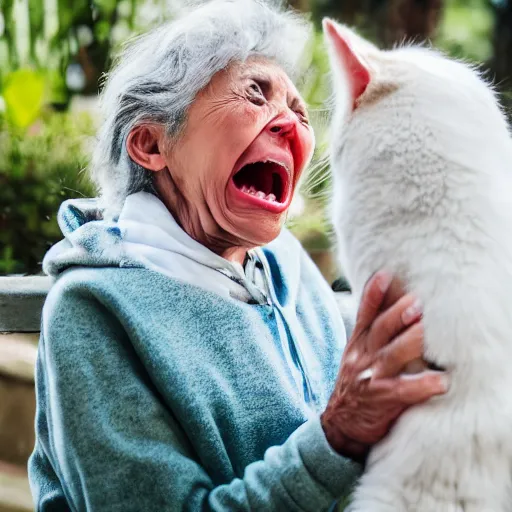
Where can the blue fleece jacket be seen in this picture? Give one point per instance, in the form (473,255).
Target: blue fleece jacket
(155,394)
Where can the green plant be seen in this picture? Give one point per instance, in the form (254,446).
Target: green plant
(466,30)
(69,42)
(39,169)
(315,89)
(312,228)
(23,93)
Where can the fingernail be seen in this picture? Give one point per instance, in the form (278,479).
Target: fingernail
(365,374)
(412,312)
(384,280)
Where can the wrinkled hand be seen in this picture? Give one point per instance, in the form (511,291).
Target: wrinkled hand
(370,393)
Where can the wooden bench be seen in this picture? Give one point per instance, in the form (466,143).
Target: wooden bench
(21,301)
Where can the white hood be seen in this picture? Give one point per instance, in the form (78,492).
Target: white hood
(151,236)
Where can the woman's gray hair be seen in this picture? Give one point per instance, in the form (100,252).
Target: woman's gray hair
(158,76)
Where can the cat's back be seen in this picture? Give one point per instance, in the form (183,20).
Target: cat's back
(422,187)
(435,208)
(423,176)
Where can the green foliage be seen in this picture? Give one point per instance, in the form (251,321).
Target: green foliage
(23,93)
(311,228)
(466,30)
(315,89)
(313,86)
(51,35)
(38,170)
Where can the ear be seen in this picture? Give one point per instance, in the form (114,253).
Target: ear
(143,146)
(346,59)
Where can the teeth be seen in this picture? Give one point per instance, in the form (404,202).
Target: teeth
(258,193)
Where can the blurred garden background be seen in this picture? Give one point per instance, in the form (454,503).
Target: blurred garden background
(53,54)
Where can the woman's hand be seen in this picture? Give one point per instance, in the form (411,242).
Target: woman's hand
(370,393)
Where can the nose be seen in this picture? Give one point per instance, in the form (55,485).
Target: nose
(283,125)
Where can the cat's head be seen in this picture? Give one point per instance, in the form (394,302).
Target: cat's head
(412,82)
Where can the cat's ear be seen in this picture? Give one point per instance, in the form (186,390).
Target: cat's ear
(347,53)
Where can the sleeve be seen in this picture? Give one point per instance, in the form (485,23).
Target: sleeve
(115,446)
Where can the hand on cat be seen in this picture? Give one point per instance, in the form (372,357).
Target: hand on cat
(388,336)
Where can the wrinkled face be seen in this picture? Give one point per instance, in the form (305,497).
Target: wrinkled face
(238,159)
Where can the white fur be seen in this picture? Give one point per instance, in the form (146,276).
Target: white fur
(422,186)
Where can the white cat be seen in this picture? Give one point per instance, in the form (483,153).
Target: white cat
(422,186)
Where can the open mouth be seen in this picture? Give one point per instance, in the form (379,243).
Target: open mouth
(267,181)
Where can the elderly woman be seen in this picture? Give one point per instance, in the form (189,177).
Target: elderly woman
(190,351)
